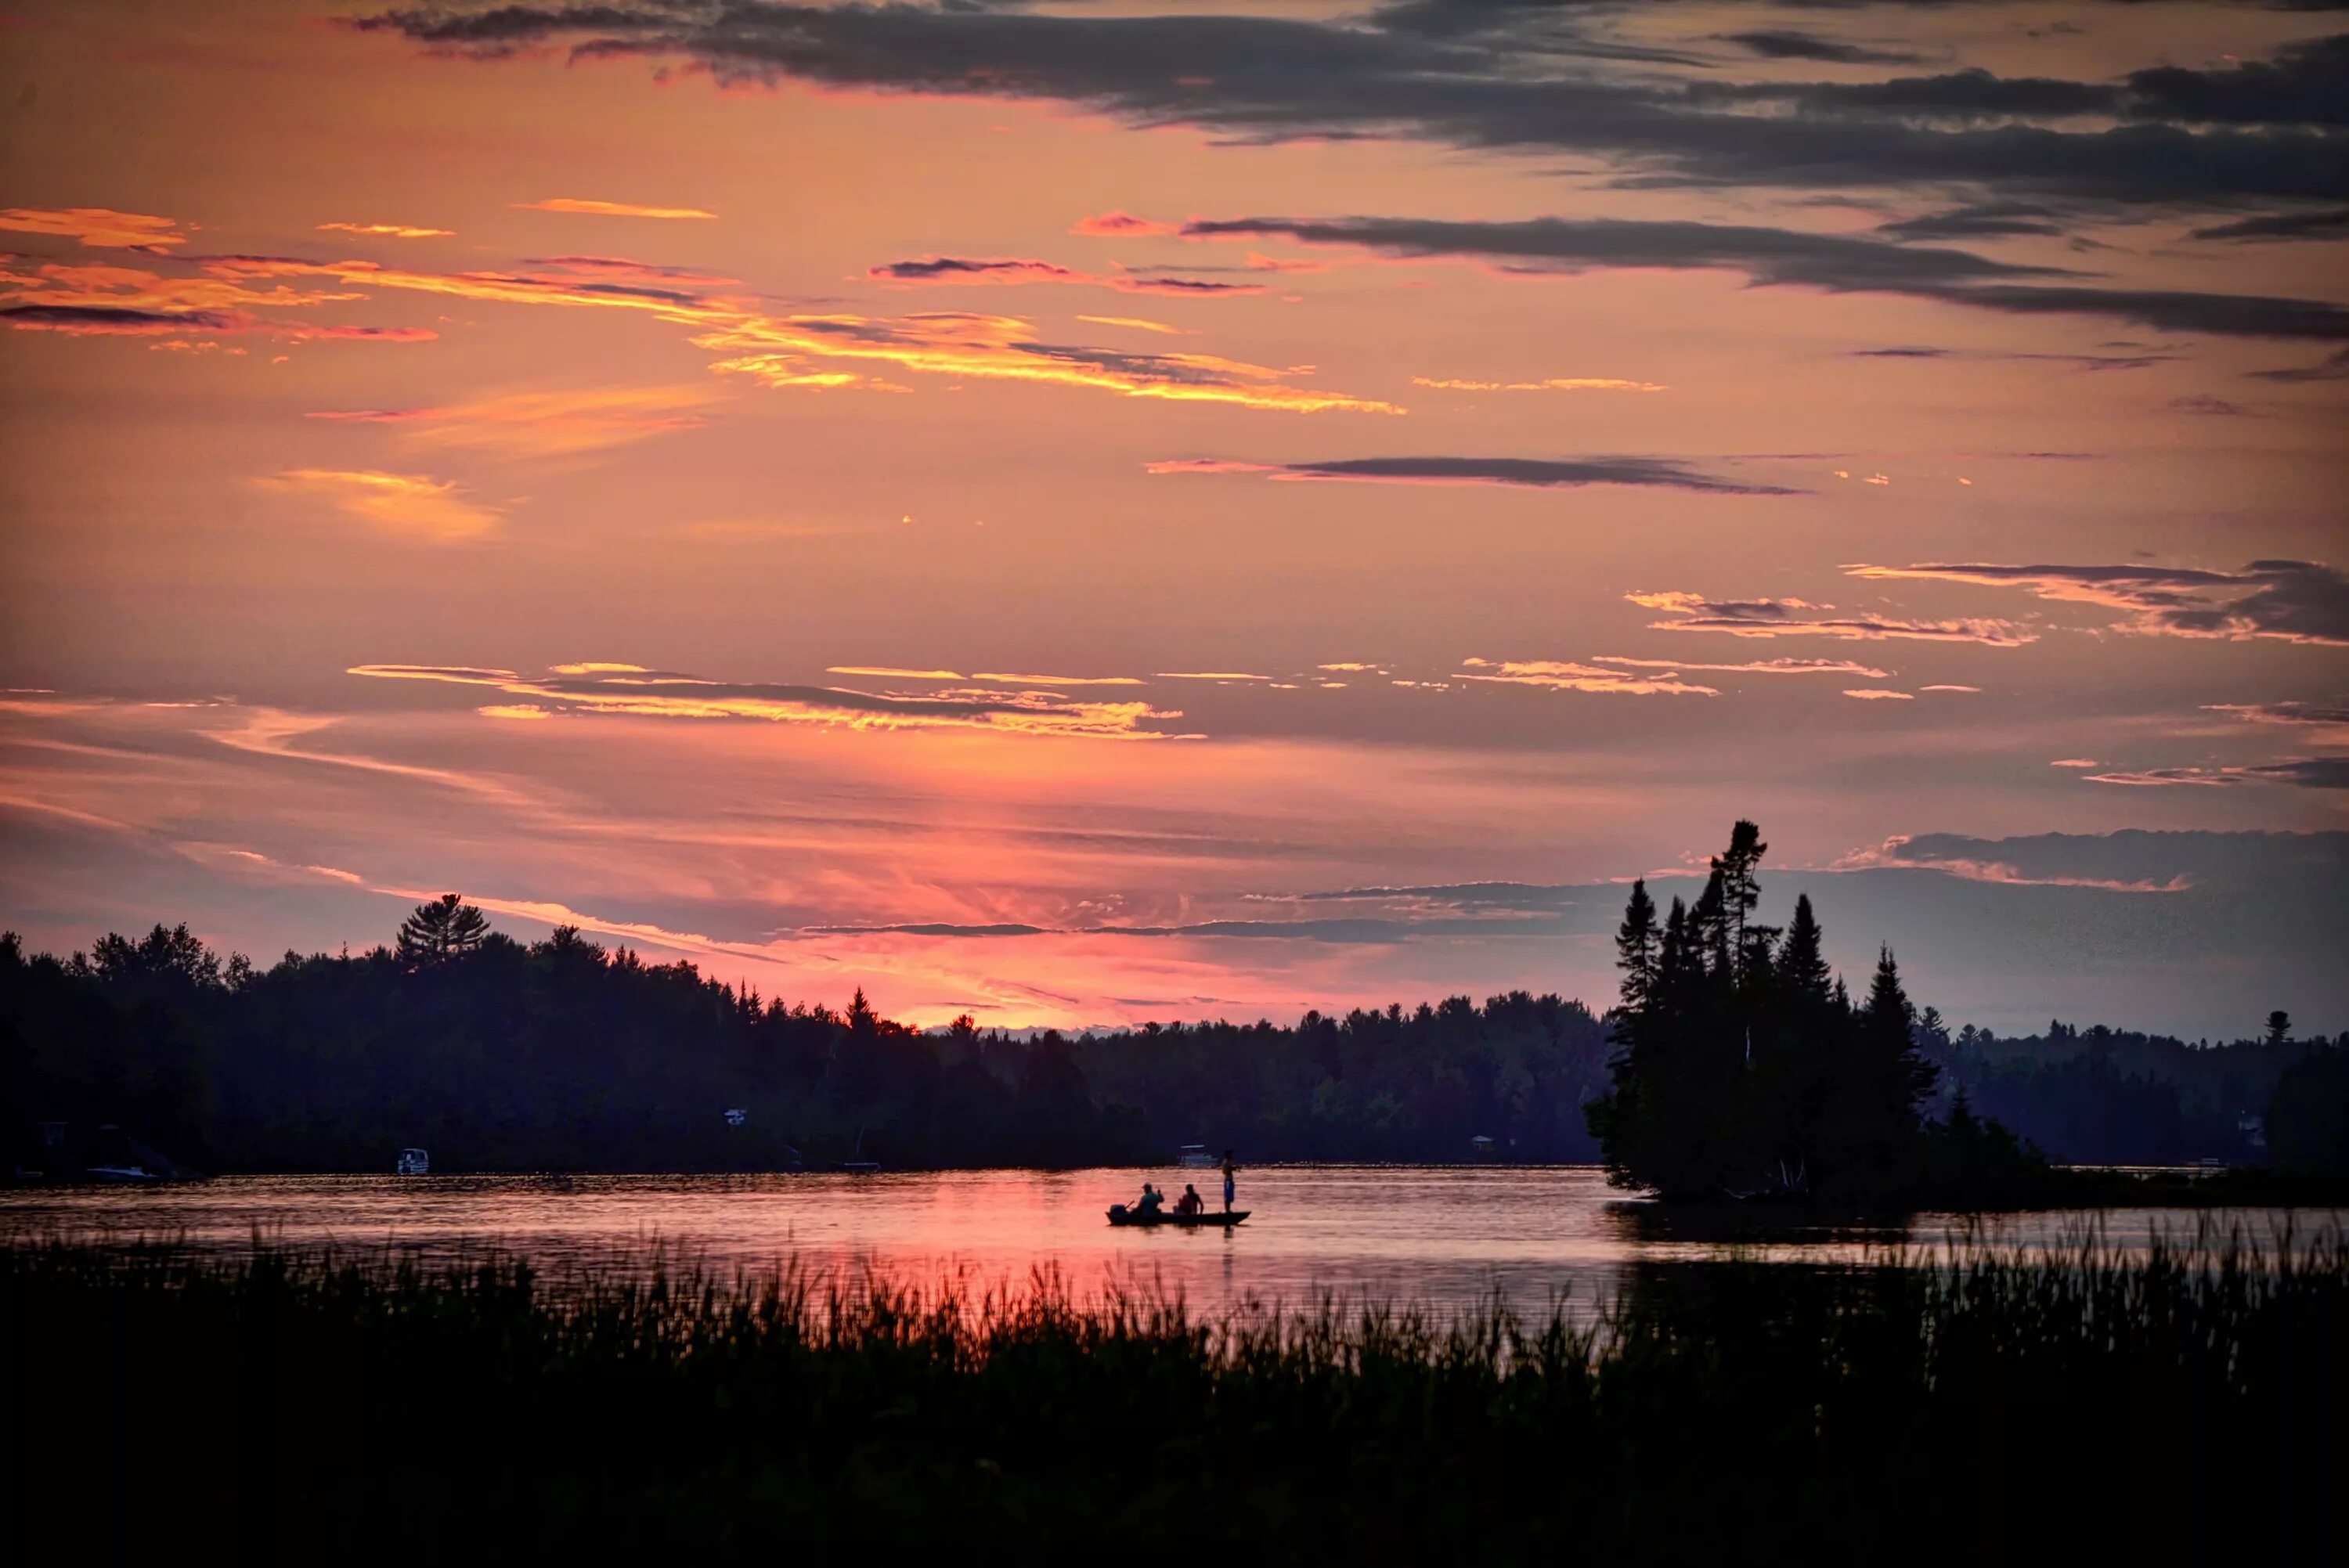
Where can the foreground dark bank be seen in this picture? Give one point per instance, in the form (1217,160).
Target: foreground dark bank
(2190,1401)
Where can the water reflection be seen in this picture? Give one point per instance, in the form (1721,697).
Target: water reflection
(1445,1237)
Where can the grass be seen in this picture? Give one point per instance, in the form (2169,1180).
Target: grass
(1977,1400)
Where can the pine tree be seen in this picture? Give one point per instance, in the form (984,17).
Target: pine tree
(444,929)
(1802,963)
(1740,870)
(1636,949)
(1709,927)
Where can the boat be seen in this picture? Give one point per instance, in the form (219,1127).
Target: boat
(1119,1214)
(1195,1156)
(413,1162)
(122,1175)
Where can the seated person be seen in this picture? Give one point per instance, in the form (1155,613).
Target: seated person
(1190,1202)
(1150,1200)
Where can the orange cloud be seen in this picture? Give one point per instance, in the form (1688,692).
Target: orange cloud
(886,672)
(402,504)
(2291,601)
(1554,383)
(105,300)
(1879,694)
(99,228)
(1138,323)
(387,231)
(788,351)
(544,424)
(661,694)
(607,209)
(1754,667)
(1122,226)
(1774,618)
(1554,675)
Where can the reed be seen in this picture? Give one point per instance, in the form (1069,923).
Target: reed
(1980,1396)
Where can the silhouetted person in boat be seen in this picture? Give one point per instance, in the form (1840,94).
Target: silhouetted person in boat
(1189,1204)
(1151,1198)
(1230,1171)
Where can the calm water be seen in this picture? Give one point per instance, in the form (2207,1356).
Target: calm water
(1446,1237)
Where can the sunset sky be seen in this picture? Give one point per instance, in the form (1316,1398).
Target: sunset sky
(1094,511)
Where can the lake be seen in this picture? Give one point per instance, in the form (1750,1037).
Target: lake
(1446,1237)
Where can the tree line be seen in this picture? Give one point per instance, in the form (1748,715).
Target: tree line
(1734,1063)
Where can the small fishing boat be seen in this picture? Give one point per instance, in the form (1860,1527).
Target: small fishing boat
(122,1175)
(1119,1214)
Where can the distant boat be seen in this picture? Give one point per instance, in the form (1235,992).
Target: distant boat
(856,1164)
(1194,1157)
(413,1162)
(1119,1214)
(124,1175)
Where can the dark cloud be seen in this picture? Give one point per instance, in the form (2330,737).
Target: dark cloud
(2332,367)
(2204,403)
(2307,772)
(1502,75)
(1540,473)
(2237,862)
(1786,44)
(950,269)
(102,319)
(2293,601)
(1796,618)
(2305,84)
(2328,716)
(1836,263)
(1984,221)
(2331,222)
(1964,96)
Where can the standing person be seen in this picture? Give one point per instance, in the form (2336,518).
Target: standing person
(1230,1171)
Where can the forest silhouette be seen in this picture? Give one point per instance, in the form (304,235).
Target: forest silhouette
(1734,1065)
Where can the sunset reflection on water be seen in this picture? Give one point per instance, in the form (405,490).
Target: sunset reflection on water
(1445,1237)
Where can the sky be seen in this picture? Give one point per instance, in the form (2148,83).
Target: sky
(1100,512)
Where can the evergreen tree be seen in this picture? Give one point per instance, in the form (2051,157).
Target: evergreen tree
(1637,948)
(444,929)
(1802,964)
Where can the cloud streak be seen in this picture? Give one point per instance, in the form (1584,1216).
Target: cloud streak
(1759,618)
(1014,271)
(97,228)
(584,207)
(624,691)
(2289,601)
(1533,473)
(1551,675)
(1770,257)
(405,504)
(543,424)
